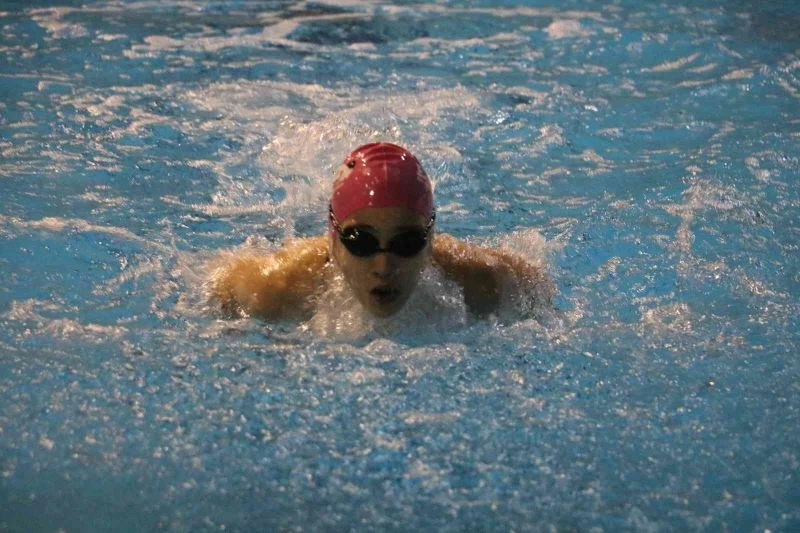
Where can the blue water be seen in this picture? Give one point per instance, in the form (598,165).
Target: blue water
(646,152)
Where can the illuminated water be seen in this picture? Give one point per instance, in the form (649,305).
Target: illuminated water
(654,146)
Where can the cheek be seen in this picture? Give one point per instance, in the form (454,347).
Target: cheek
(412,269)
(418,263)
(350,267)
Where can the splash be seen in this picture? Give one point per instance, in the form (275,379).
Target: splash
(436,305)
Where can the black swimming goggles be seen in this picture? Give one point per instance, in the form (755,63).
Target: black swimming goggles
(364,244)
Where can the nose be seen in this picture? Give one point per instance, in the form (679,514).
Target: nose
(384,265)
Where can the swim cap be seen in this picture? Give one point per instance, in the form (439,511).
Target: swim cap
(381,175)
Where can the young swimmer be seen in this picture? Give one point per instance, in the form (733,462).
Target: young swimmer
(380,238)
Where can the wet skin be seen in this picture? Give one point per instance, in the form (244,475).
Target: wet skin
(288,282)
(382,282)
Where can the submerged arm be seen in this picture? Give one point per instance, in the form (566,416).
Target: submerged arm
(278,285)
(488,275)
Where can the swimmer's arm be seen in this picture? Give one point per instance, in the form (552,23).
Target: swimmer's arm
(274,286)
(485,273)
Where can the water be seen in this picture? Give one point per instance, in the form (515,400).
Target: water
(646,151)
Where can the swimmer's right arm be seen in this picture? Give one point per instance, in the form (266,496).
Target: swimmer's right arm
(274,286)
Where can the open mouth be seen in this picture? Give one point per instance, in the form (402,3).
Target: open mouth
(384,294)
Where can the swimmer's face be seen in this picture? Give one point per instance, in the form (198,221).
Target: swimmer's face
(382,282)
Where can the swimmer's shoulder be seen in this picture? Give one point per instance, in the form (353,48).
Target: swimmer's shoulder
(308,251)
(470,267)
(281,284)
(486,274)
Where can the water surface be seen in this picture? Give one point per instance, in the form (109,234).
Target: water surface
(646,151)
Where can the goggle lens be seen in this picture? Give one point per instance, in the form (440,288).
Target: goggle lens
(364,244)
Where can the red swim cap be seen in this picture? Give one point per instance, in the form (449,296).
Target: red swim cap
(381,175)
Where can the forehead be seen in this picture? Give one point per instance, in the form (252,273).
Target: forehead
(385,218)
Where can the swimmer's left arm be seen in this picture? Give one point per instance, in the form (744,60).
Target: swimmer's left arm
(485,274)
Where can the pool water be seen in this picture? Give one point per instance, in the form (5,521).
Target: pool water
(645,152)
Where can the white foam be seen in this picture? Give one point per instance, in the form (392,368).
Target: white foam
(703,68)
(676,64)
(50,19)
(563,29)
(311,148)
(94,196)
(701,195)
(275,32)
(27,309)
(675,317)
(500,12)
(549,135)
(423,417)
(108,106)
(110,36)
(67,328)
(493,42)
(62,328)
(601,165)
(108,109)
(761,174)
(129,273)
(364,375)
(58,224)
(791,90)
(436,305)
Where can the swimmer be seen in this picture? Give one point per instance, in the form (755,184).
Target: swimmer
(381,236)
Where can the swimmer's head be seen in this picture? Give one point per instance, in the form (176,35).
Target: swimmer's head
(381,175)
(381,220)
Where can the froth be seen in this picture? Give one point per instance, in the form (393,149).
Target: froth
(436,305)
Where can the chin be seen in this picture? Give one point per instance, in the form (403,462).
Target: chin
(386,310)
